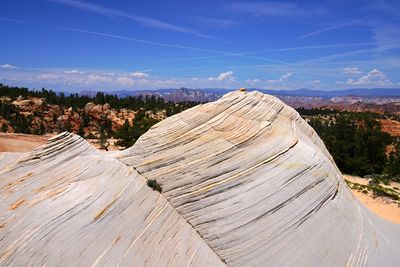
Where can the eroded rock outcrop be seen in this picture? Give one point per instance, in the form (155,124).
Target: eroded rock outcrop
(246,182)
(260,187)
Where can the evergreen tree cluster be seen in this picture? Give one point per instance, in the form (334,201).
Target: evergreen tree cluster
(79,101)
(356,142)
(129,133)
(20,123)
(393,163)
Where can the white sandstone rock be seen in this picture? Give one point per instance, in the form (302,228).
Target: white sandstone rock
(245,182)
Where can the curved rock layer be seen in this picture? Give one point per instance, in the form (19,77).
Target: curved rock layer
(66,204)
(246,182)
(260,187)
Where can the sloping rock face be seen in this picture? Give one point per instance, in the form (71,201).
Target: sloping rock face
(246,182)
(67,204)
(260,187)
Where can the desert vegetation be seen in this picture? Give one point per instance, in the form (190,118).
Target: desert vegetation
(100,117)
(377,187)
(356,142)
(153,184)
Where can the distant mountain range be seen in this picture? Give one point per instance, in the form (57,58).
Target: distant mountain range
(173,95)
(211,94)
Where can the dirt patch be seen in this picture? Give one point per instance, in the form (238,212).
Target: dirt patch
(381,206)
(391,127)
(12,142)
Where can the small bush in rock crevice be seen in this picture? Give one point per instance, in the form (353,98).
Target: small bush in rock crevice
(154,185)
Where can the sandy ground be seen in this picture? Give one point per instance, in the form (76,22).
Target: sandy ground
(381,206)
(11,142)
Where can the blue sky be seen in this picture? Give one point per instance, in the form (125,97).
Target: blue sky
(118,44)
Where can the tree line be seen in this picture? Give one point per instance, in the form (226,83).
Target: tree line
(356,142)
(128,134)
(79,101)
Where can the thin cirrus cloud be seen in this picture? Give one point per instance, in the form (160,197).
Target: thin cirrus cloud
(126,38)
(312,47)
(354,22)
(170,45)
(285,49)
(272,8)
(8,66)
(283,78)
(330,28)
(352,71)
(252,81)
(144,21)
(217,23)
(11,20)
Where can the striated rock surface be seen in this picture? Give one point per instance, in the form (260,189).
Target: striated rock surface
(246,182)
(68,204)
(260,187)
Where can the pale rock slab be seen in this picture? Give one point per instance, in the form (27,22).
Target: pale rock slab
(260,187)
(67,204)
(246,182)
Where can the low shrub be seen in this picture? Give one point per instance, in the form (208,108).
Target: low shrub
(154,185)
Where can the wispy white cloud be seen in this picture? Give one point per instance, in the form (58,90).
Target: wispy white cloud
(385,33)
(271,8)
(74,72)
(8,66)
(224,76)
(139,74)
(283,78)
(352,71)
(375,78)
(315,47)
(104,80)
(125,81)
(144,21)
(253,81)
(350,54)
(48,77)
(216,23)
(97,78)
(330,28)
(120,37)
(285,49)
(12,20)
(137,40)
(314,82)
